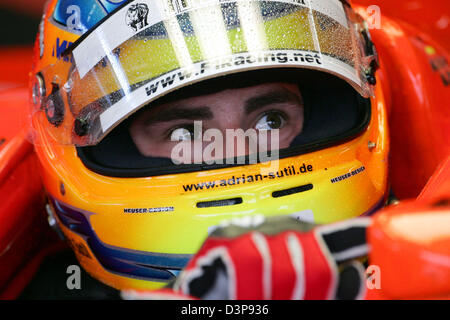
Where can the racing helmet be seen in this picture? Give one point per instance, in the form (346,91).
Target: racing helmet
(135,219)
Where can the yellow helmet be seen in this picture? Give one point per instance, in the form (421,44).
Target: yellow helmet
(134,220)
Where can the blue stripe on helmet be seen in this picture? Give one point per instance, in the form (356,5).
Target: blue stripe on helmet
(87,12)
(125,262)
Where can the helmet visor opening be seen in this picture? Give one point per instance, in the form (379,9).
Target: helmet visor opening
(331,113)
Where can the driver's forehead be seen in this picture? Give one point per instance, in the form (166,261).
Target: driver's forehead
(236,99)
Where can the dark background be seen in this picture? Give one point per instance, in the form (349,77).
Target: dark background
(17,28)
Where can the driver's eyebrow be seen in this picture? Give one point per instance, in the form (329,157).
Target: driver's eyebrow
(271,97)
(180,113)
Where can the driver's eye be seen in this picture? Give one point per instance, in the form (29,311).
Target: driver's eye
(181,134)
(270,121)
(185,133)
